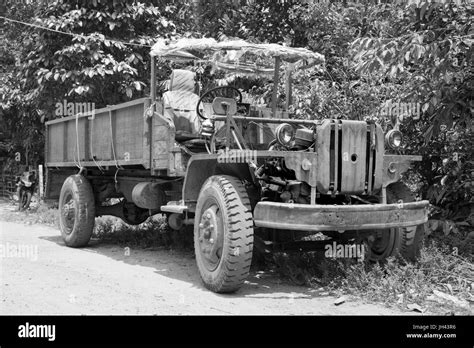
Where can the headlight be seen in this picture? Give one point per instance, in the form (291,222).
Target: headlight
(285,134)
(394,139)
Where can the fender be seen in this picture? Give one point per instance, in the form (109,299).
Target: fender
(202,166)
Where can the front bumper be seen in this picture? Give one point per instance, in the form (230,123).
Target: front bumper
(305,217)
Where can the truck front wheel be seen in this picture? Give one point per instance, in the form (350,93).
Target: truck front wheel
(399,241)
(76,211)
(223,234)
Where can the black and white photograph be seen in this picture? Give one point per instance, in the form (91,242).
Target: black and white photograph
(235,163)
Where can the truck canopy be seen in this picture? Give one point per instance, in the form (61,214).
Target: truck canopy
(238,56)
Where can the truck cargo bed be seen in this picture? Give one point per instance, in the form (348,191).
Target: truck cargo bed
(114,135)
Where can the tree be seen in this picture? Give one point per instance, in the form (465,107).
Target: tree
(103,58)
(427,49)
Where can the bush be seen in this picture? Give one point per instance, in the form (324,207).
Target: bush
(153,233)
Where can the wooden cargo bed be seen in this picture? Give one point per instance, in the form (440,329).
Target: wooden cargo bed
(114,135)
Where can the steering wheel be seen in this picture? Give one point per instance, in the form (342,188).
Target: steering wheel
(225,91)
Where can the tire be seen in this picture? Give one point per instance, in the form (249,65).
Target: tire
(76,211)
(399,241)
(223,253)
(24,199)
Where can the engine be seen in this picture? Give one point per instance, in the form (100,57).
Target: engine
(347,160)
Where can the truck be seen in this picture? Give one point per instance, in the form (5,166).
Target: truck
(245,179)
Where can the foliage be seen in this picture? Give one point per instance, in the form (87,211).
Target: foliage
(153,233)
(427,48)
(262,21)
(106,64)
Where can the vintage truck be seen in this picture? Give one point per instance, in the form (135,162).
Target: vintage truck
(243,175)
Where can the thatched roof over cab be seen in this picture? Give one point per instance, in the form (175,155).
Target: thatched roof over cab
(184,49)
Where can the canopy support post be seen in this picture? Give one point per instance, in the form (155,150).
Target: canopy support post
(288,86)
(153,80)
(276,77)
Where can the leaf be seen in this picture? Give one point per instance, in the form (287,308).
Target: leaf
(79,90)
(407,56)
(443,180)
(340,300)
(446,228)
(423,10)
(415,307)
(137,85)
(433,225)
(393,71)
(446,297)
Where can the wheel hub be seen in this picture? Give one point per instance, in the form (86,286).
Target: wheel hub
(69,212)
(210,237)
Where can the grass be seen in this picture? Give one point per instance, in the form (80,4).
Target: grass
(38,213)
(152,233)
(394,283)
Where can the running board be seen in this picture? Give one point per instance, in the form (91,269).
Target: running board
(174,207)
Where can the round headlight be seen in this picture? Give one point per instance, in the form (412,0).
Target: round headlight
(285,134)
(394,139)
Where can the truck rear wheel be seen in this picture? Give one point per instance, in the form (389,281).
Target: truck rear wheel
(399,241)
(223,234)
(76,211)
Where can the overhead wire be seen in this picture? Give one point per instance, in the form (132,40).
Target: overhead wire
(69,33)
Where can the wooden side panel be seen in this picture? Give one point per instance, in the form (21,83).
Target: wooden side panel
(71,140)
(55,143)
(163,136)
(101,136)
(129,132)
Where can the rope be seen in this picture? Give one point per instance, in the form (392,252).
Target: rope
(90,142)
(81,169)
(70,34)
(112,141)
(113,152)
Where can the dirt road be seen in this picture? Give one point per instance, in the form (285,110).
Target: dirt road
(50,278)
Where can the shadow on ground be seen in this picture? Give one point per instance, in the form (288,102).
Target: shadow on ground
(180,265)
